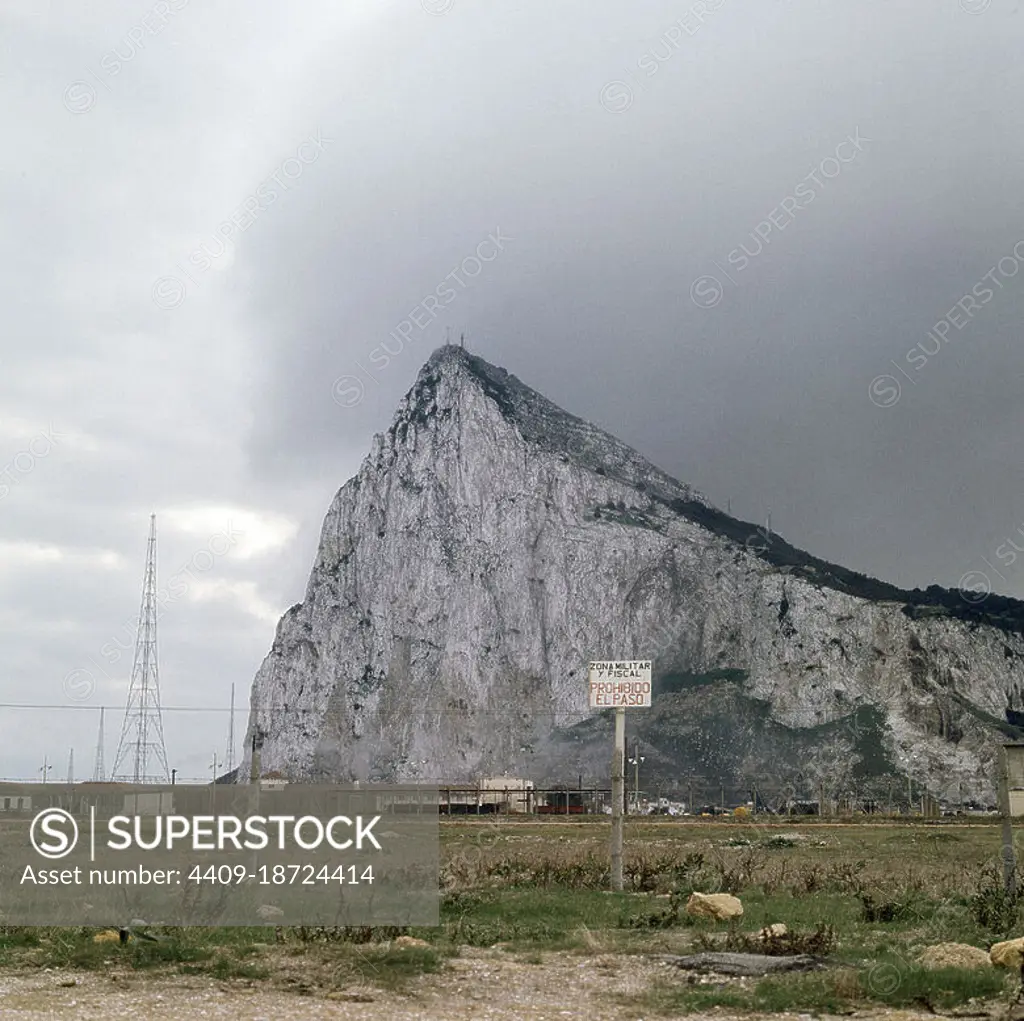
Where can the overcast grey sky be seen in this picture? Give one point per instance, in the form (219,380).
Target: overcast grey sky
(723,227)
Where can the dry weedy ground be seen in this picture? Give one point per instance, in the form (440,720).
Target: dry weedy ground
(566,947)
(480,985)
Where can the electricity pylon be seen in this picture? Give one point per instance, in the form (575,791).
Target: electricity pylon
(141,753)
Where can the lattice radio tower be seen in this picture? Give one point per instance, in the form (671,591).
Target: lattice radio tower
(141,753)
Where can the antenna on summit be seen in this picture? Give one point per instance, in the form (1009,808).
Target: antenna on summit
(462,342)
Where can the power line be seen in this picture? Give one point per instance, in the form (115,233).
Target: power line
(30,779)
(422,711)
(285,709)
(164,709)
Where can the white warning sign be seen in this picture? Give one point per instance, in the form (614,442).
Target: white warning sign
(615,683)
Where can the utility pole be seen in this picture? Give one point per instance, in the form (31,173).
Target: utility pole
(45,768)
(254,786)
(618,792)
(254,761)
(71,767)
(213,786)
(229,761)
(1009,860)
(98,771)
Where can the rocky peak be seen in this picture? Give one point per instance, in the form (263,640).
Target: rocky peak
(451,374)
(492,543)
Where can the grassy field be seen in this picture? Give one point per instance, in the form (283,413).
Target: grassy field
(870,896)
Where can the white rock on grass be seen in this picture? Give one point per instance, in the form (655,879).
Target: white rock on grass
(720,906)
(1007,954)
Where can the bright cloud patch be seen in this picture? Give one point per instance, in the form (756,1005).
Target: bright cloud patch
(241,594)
(255,532)
(39,437)
(27,554)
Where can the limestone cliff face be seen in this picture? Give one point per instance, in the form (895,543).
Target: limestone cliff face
(491,544)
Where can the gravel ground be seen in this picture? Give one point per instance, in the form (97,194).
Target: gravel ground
(481,985)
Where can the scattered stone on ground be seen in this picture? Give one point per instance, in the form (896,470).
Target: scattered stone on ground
(954,955)
(720,906)
(268,911)
(773,931)
(410,941)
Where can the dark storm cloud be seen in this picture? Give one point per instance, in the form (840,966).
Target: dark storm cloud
(185,286)
(851,170)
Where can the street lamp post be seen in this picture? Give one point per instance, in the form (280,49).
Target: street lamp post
(907,761)
(213,786)
(635,763)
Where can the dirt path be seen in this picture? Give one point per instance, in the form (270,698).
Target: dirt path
(482,985)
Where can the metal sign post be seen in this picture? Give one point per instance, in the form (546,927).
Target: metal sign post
(618,780)
(617,684)
(1009,761)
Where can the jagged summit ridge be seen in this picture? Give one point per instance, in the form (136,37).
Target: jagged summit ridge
(539,421)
